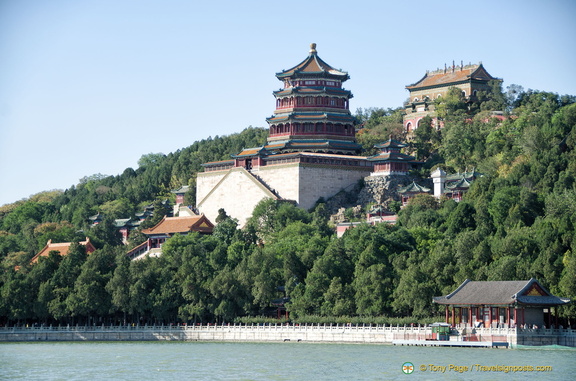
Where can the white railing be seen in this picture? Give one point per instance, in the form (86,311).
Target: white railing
(409,330)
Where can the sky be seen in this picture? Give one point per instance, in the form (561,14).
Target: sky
(89,86)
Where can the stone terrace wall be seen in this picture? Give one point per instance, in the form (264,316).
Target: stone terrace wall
(284,333)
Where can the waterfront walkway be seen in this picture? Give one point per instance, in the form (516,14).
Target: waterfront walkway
(337,333)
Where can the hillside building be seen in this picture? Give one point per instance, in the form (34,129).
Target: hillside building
(470,79)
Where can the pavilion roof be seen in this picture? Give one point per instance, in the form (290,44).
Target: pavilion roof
(122,222)
(414,188)
(182,189)
(452,75)
(459,184)
(393,156)
(468,175)
(529,292)
(390,143)
(62,248)
(250,152)
(313,65)
(186,224)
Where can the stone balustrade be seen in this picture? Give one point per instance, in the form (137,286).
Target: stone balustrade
(335,333)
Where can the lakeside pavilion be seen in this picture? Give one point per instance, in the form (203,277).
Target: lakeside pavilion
(501,304)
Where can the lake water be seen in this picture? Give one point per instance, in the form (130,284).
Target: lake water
(278,361)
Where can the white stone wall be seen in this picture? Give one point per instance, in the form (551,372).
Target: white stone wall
(319,181)
(238,192)
(205,182)
(235,191)
(283,178)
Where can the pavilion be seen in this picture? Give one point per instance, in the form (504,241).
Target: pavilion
(501,304)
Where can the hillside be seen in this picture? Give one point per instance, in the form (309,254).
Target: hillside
(517,222)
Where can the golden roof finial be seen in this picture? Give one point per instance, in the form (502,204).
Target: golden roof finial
(312,48)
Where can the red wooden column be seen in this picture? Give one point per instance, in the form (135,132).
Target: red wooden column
(508,316)
(453,317)
(470,322)
(447,316)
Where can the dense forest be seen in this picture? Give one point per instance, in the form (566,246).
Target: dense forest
(516,222)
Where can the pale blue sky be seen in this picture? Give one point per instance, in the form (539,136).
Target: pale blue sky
(89,86)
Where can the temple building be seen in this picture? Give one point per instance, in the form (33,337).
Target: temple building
(311,151)
(501,304)
(470,79)
(168,227)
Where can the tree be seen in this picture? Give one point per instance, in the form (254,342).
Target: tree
(119,285)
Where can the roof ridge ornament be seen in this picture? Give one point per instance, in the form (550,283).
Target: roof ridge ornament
(313,48)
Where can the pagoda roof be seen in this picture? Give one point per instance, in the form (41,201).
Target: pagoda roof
(186,224)
(452,75)
(414,188)
(315,154)
(324,144)
(313,66)
(529,292)
(312,90)
(345,118)
(62,248)
(391,143)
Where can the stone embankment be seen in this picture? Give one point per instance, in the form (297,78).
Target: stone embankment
(284,333)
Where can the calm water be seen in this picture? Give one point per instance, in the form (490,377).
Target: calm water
(279,361)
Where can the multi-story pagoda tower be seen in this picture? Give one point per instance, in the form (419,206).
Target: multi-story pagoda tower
(310,153)
(312,110)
